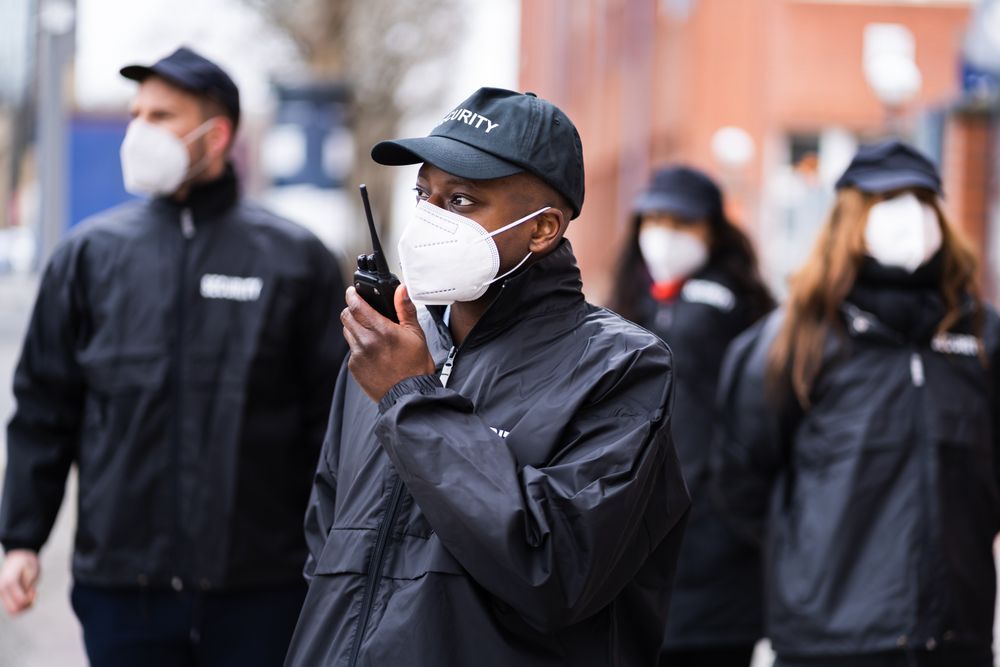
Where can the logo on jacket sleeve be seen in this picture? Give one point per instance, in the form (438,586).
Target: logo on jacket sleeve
(232,288)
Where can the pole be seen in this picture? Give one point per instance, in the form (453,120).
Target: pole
(55,52)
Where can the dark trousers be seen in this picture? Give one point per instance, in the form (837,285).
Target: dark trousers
(946,657)
(736,656)
(157,628)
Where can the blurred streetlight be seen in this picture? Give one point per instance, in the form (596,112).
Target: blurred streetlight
(890,68)
(57,17)
(733,147)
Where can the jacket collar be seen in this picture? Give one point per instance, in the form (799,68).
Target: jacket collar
(550,285)
(206,200)
(895,305)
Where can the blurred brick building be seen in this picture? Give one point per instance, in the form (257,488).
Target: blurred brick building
(650,81)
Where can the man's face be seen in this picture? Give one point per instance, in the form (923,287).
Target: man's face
(171,108)
(492,203)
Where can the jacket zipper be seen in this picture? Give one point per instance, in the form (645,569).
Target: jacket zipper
(377,559)
(187,233)
(918,377)
(448,364)
(917,369)
(375,564)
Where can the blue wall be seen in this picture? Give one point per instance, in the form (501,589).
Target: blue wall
(95,178)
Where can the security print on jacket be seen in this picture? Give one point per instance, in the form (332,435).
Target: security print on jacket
(498,484)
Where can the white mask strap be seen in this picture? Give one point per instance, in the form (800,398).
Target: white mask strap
(511,226)
(194,135)
(198,132)
(519,264)
(518,221)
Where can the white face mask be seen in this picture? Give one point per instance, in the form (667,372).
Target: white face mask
(902,232)
(447,257)
(670,254)
(155,161)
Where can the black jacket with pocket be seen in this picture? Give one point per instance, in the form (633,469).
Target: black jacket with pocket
(529,513)
(183,358)
(717,596)
(879,504)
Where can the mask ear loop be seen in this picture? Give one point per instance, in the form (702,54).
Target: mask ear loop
(517,222)
(519,264)
(198,132)
(194,135)
(511,226)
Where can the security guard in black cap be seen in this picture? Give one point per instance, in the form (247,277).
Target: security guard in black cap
(181,355)
(498,485)
(861,435)
(689,275)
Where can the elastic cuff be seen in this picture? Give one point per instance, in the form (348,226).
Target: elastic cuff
(418,384)
(15,545)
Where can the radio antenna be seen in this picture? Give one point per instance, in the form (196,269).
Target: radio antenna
(381,266)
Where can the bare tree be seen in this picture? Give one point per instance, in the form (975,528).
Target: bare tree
(385,51)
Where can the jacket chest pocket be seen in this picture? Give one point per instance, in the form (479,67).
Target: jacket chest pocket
(349,551)
(959,414)
(826,439)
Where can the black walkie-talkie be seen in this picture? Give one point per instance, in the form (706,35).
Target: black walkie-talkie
(372,280)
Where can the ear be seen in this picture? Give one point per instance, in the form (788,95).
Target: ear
(219,136)
(547,231)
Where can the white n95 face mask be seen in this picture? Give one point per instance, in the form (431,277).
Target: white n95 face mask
(671,254)
(902,232)
(447,257)
(155,161)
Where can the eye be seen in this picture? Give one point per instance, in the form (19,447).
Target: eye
(460,200)
(420,193)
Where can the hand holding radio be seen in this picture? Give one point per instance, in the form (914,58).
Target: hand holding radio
(381,326)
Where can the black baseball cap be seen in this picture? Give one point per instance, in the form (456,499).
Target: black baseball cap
(194,73)
(496,133)
(681,191)
(890,165)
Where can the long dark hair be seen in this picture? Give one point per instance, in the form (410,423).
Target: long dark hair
(731,252)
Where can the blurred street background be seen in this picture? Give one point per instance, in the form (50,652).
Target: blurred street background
(770,96)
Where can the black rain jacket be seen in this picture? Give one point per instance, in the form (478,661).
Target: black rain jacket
(879,504)
(717,596)
(527,514)
(183,358)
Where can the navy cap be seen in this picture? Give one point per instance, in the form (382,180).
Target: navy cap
(496,133)
(890,165)
(680,191)
(194,73)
